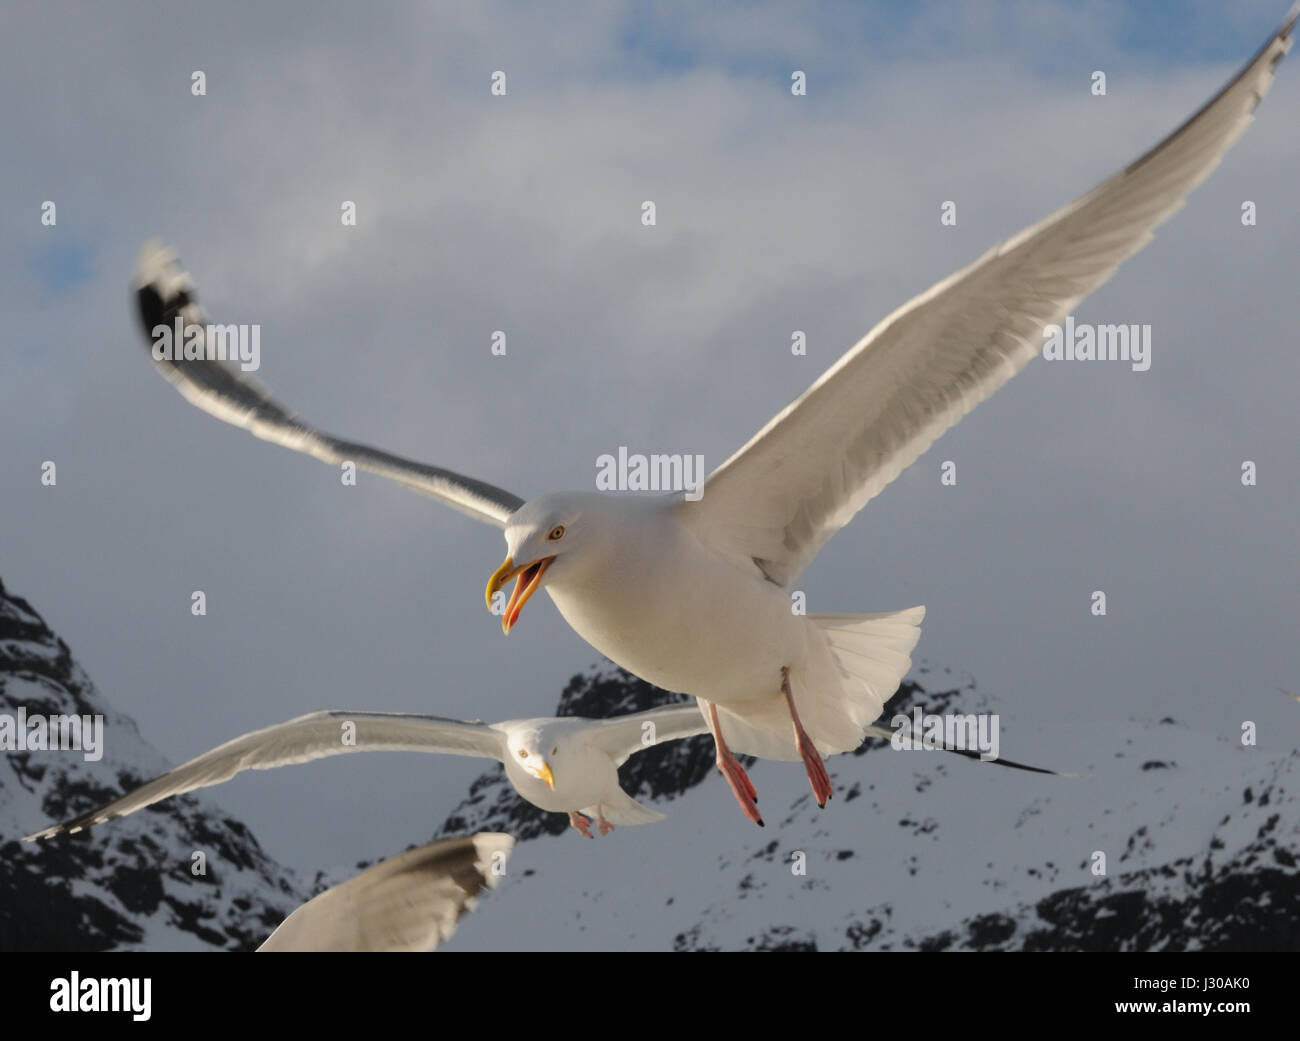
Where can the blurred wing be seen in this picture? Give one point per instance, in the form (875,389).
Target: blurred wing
(300,740)
(623,736)
(774,503)
(165,291)
(410,902)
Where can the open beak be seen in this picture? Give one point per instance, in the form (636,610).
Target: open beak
(529,578)
(544,772)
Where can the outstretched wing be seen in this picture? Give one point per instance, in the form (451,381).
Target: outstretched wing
(164,291)
(773,504)
(300,740)
(622,736)
(410,902)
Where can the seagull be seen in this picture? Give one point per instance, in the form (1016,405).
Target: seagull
(410,902)
(560,764)
(694,595)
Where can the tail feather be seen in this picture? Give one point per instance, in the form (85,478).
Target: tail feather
(625,811)
(873,654)
(855,664)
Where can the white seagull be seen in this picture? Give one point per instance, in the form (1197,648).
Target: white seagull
(564,764)
(694,596)
(560,764)
(410,902)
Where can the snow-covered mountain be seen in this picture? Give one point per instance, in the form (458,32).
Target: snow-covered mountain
(132,884)
(918,849)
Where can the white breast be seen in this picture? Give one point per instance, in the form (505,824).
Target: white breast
(667,609)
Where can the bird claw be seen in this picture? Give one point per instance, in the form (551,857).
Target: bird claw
(583,824)
(603,825)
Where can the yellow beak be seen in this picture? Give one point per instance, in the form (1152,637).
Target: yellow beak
(530,577)
(544,772)
(499,578)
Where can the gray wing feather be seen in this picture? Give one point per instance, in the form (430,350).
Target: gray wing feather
(410,902)
(164,291)
(300,740)
(623,736)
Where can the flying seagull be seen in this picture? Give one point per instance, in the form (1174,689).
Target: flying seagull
(694,596)
(561,764)
(410,902)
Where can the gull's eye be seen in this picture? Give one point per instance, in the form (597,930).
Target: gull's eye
(556,533)
(523,753)
(555,749)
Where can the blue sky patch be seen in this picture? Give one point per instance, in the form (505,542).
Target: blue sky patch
(63,264)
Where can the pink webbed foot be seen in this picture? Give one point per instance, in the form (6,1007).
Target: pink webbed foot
(741,786)
(582,823)
(602,825)
(818,778)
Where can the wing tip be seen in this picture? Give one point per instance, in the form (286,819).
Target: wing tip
(163,288)
(487,846)
(154,259)
(53,831)
(74,825)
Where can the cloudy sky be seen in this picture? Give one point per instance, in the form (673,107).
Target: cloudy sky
(522,213)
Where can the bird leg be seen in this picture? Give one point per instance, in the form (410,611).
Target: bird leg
(603,825)
(741,786)
(812,760)
(582,823)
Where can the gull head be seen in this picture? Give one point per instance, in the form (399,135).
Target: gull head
(536,751)
(544,537)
